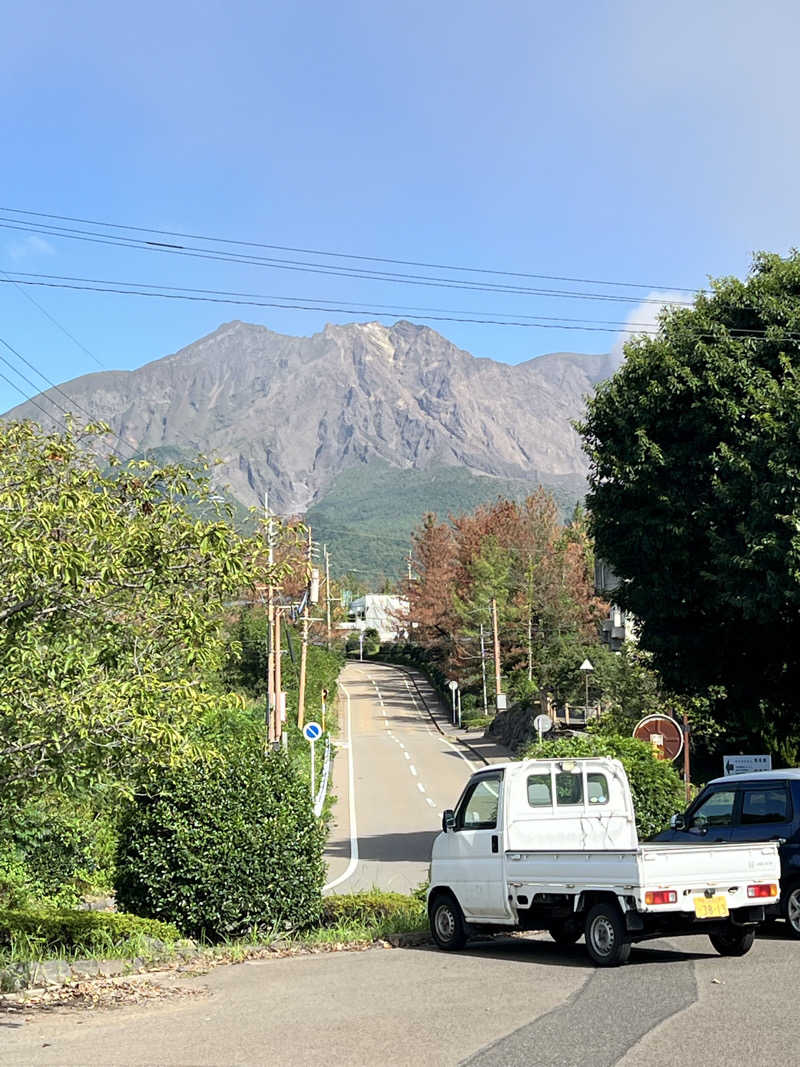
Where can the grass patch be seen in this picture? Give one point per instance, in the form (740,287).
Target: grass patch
(38,935)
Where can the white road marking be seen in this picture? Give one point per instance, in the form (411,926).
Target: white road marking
(421,787)
(413,770)
(406,755)
(429,801)
(352,806)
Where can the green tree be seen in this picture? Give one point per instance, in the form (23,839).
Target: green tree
(695,498)
(111,610)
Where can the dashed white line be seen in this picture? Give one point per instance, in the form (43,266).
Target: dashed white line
(413,770)
(429,801)
(421,787)
(406,755)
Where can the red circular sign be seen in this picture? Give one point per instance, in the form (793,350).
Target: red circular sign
(663,733)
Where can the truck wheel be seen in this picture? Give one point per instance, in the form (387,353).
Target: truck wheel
(447,923)
(565,931)
(734,942)
(607,940)
(791,909)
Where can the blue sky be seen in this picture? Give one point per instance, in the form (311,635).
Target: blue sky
(611,140)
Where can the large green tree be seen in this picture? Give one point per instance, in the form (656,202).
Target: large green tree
(111,609)
(695,498)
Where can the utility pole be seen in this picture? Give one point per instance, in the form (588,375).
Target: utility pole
(530,647)
(271,691)
(498,690)
(327,596)
(301,696)
(278,725)
(483,673)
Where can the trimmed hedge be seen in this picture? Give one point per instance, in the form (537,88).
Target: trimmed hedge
(225,849)
(80,931)
(371,907)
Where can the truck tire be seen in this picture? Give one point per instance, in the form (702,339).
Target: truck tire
(565,931)
(791,909)
(447,923)
(607,941)
(733,942)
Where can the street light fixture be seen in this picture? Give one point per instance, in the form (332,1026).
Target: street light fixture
(587,669)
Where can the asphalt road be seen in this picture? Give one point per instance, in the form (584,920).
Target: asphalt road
(394,774)
(508,1001)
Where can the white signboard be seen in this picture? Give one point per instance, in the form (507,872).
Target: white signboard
(746,764)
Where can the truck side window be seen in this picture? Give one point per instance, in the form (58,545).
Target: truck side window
(569,788)
(539,791)
(597,788)
(765,805)
(479,810)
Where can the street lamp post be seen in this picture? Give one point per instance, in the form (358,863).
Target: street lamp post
(587,669)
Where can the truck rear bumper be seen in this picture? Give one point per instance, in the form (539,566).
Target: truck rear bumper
(644,925)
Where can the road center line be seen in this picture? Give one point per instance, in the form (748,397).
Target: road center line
(413,770)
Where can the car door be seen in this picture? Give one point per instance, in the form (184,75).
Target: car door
(765,811)
(477,848)
(711,817)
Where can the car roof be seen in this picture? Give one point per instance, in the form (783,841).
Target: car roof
(760,776)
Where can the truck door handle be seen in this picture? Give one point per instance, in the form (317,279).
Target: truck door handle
(495,843)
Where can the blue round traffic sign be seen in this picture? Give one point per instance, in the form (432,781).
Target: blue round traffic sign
(312,731)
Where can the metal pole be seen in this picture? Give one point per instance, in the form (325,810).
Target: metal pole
(313,772)
(361,645)
(271,693)
(498,690)
(686,772)
(586,678)
(278,727)
(301,694)
(453,698)
(483,673)
(530,647)
(327,597)
(459,707)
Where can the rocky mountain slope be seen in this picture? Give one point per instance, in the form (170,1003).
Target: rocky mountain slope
(290,414)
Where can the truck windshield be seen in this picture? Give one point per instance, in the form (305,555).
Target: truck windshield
(479,810)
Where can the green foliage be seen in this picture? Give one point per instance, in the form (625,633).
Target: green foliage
(695,499)
(220,850)
(53,851)
(372,641)
(369,907)
(111,610)
(63,932)
(657,790)
(367,516)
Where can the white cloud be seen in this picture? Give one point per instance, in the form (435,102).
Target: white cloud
(643,318)
(30,246)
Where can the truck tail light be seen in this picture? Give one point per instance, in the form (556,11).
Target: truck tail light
(767,889)
(661,896)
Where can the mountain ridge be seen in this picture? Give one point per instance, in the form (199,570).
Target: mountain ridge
(289,414)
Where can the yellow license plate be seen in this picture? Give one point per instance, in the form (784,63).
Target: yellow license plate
(715,907)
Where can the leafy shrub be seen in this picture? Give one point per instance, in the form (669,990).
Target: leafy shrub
(53,851)
(372,641)
(476,722)
(223,849)
(78,931)
(370,907)
(657,790)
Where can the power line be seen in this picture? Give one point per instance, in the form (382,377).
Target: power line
(304,267)
(350,255)
(20,277)
(55,322)
(286,304)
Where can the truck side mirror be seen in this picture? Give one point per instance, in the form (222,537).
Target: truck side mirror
(448,820)
(677,822)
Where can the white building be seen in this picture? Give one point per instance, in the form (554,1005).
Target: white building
(386,614)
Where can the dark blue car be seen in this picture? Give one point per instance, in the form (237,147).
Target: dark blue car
(764,806)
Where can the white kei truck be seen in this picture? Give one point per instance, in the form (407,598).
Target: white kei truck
(552,845)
